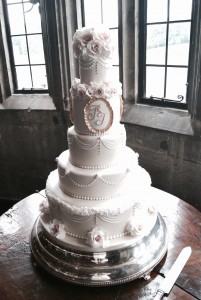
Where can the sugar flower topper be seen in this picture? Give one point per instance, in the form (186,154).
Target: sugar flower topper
(96,238)
(92,42)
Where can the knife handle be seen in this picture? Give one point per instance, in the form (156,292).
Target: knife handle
(159,295)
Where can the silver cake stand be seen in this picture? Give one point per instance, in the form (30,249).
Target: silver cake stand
(101,268)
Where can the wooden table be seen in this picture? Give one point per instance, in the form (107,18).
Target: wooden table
(20,278)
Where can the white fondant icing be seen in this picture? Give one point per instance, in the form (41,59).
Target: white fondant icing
(99,195)
(100,184)
(96,152)
(93,47)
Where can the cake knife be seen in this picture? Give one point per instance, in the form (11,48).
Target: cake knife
(167,284)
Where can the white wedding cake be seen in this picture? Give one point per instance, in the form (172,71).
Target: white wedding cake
(98,197)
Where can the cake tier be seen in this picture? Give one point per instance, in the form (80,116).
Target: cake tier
(96,152)
(97,224)
(94,70)
(101,184)
(95,108)
(93,47)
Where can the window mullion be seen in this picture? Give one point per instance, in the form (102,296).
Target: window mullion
(194,74)
(28,53)
(166,48)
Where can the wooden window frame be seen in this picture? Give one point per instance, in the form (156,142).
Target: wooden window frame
(130,64)
(60,19)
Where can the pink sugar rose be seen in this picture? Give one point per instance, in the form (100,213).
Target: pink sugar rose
(95,48)
(73,90)
(96,238)
(99,93)
(77,48)
(44,207)
(81,91)
(57,228)
(103,34)
(134,228)
(86,37)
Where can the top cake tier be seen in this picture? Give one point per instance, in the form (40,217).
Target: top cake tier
(93,47)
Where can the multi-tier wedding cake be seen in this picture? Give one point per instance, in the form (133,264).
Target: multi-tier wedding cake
(98,197)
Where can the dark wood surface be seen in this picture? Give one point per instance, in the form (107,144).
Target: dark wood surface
(20,278)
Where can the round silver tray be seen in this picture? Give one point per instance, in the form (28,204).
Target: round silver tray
(100,268)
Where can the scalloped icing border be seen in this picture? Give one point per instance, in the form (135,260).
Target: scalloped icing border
(88,211)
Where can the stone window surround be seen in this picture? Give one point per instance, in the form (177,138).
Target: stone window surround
(65,16)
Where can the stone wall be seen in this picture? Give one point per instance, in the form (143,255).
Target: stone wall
(29,143)
(173,160)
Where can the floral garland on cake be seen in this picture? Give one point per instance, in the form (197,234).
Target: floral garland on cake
(95,89)
(94,43)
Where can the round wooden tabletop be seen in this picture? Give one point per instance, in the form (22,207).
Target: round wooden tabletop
(21,278)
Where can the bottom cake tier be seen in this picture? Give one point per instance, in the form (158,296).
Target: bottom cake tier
(100,268)
(90,225)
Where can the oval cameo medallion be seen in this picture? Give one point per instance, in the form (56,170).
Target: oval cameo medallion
(98,115)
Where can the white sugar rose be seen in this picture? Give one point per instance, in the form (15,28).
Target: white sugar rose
(152,210)
(44,207)
(57,229)
(104,35)
(74,87)
(80,40)
(134,228)
(77,48)
(90,91)
(95,48)
(85,35)
(81,91)
(92,88)
(73,90)
(96,238)
(99,90)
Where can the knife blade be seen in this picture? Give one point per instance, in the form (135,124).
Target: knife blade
(167,284)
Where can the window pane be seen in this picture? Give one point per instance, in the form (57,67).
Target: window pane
(156,10)
(15,14)
(39,77)
(13,1)
(155,81)
(115,56)
(156,41)
(32,18)
(179,39)
(23,77)
(110,13)
(176,83)
(180,9)
(20,50)
(92,10)
(36,49)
